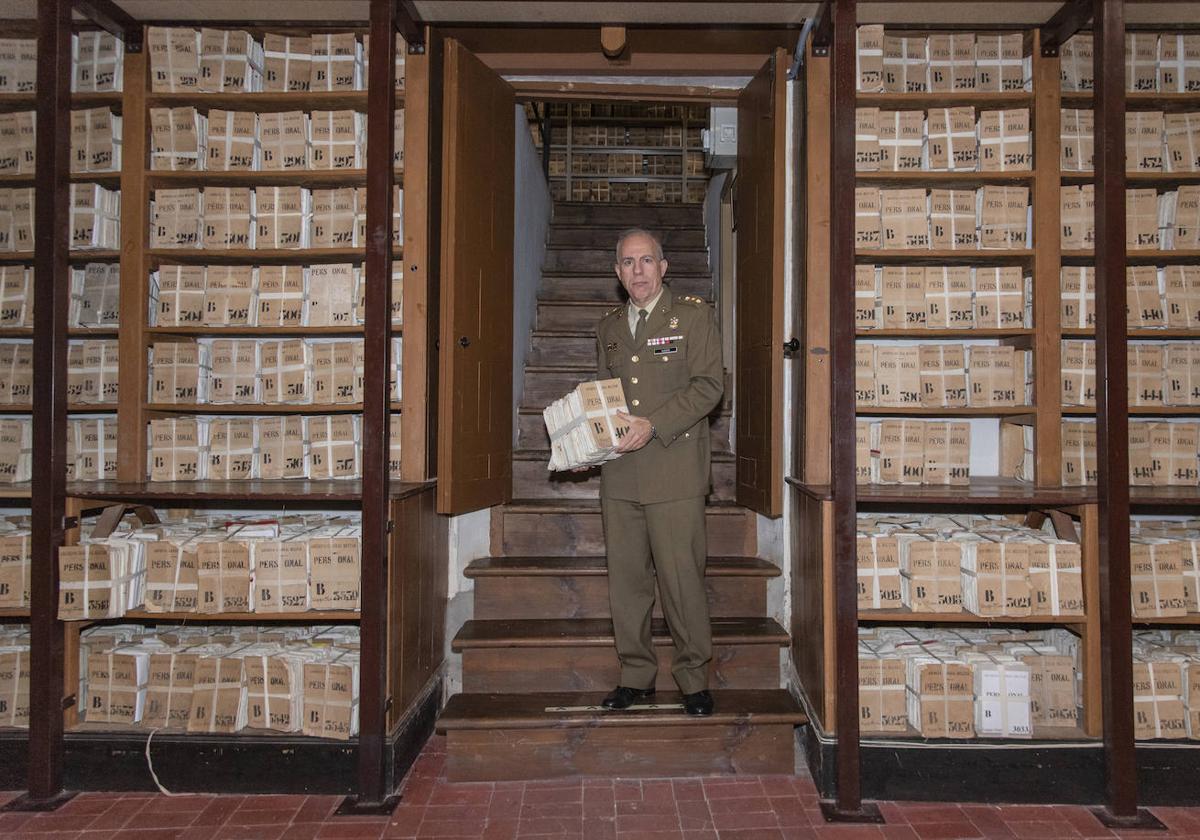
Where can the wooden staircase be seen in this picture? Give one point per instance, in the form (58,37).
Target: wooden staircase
(539,654)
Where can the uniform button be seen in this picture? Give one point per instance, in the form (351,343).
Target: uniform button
(666,358)
(636,403)
(687,434)
(634,359)
(634,380)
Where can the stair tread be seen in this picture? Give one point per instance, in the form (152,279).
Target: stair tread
(551,333)
(561,710)
(593,506)
(533,409)
(535,454)
(598,632)
(597,567)
(563,367)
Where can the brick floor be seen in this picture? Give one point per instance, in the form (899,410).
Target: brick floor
(754,808)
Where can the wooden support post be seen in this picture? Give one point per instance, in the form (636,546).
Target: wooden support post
(848,805)
(374,773)
(1112,418)
(52,291)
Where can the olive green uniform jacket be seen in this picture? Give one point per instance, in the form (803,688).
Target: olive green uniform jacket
(675,379)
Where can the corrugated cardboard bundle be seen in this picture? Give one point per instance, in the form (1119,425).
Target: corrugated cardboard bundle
(14,569)
(169,690)
(902,297)
(1156,578)
(231,61)
(334,562)
(93,372)
(218,695)
(224,576)
(1077,69)
(231,447)
(337,62)
(929,573)
(1078,295)
(18,65)
(1016,451)
(881,694)
(905,64)
(230,293)
(117,683)
(994,378)
(338,139)
(96,62)
(901,446)
(16,373)
(1141,61)
(178,372)
(1000,297)
(1180,217)
(285,140)
(904,218)
(95,296)
(1055,576)
(281,294)
(229,218)
(175,452)
(878,572)
(285,371)
(91,448)
(172,577)
(949,297)
(901,140)
(1078,372)
(15,672)
(869,58)
(287,62)
(282,447)
(233,143)
(1078,453)
(867,152)
(16,219)
(994,576)
(1005,143)
(178,138)
(943,376)
(333,218)
(1004,217)
(940,696)
(1003,702)
(1001,63)
(16,447)
(284,217)
(947,452)
(952,61)
(281,574)
(1144,297)
(331,697)
(95,141)
(18,143)
(337,372)
(179,295)
(1141,219)
(1077,217)
(897,371)
(952,220)
(583,426)
(952,141)
(100,579)
(1077,130)
(177,218)
(1146,382)
(1181,369)
(332,295)
(1158,708)
(1144,148)
(868,309)
(95,217)
(174,59)
(335,449)
(398,142)
(1178,63)
(274,689)
(1182,143)
(866,451)
(868,228)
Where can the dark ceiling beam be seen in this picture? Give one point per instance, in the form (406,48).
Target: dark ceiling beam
(409,25)
(112,18)
(823,29)
(1069,19)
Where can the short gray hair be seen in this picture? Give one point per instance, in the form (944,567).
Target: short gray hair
(658,251)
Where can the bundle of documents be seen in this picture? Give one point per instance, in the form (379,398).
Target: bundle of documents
(583,426)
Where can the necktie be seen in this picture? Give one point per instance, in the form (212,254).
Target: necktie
(639,334)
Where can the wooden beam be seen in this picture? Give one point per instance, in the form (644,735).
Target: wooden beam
(823,29)
(1069,19)
(408,24)
(52,291)
(112,18)
(613,41)
(567,91)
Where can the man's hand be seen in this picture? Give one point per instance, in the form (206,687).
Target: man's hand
(639,433)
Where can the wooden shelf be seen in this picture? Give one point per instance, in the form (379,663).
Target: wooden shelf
(21,491)
(1139,179)
(332,100)
(255,408)
(1165,496)
(937,178)
(981,491)
(259,491)
(73,408)
(298,256)
(633,150)
(354,331)
(307,617)
(312,178)
(942,411)
(14,614)
(926,256)
(621,179)
(18,102)
(1190,620)
(1150,333)
(1049,735)
(906,616)
(1137,257)
(965,332)
(75,256)
(692,122)
(945,99)
(1138,100)
(112,99)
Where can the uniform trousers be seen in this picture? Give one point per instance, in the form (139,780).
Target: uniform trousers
(664,541)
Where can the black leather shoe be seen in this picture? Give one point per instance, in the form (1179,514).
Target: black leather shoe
(698,704)
(622,697)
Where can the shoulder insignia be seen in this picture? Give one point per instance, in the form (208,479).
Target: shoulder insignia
(693,299)
(613,311)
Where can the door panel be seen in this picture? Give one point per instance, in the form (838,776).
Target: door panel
(759,220)
(475,399)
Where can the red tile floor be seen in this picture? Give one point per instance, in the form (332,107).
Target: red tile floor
(742,808)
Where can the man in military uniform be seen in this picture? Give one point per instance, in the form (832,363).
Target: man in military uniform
(667,352)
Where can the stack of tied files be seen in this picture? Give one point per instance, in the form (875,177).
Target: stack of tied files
(583,426)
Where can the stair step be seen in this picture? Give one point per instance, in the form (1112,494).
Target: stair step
(531,429)
(579,654)
(546,383)
(531,479)
(548,347)
(573,314)
(572,526)
(575,258)
(493,737)
(600,236)
(625,216)
(606,287)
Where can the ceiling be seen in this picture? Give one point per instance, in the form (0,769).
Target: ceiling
(663,12)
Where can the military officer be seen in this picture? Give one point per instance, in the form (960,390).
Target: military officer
(667,352)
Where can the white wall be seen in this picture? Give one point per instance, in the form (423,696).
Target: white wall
(531,214)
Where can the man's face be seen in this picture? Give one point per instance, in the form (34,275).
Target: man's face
(639,269)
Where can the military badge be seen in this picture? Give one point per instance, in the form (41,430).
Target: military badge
(612,345)
(674,322)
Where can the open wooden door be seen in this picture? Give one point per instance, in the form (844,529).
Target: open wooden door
(475,400)
(758,214)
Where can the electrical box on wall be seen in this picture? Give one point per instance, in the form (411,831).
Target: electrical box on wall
(720,138)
